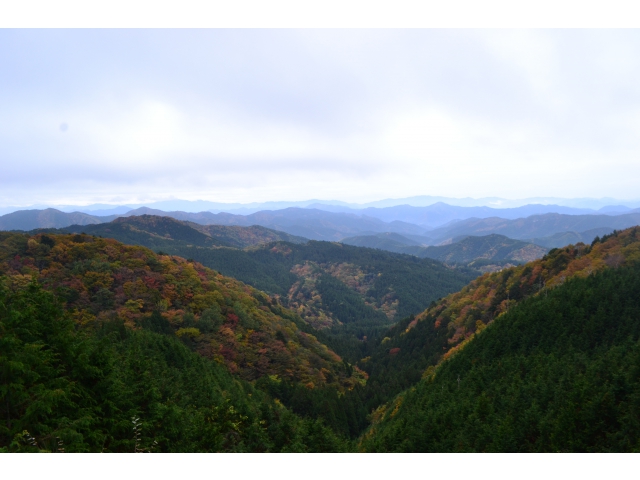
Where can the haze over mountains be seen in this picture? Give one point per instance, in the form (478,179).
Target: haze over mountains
(581,205)
(547,226)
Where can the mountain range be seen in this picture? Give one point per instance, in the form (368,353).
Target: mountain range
(535,226)
(592,204)
(318,224)
(440,213)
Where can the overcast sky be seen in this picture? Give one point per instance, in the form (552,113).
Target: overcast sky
(124,116)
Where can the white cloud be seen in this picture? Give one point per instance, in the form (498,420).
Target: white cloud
(331,114)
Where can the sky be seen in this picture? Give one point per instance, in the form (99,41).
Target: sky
(132,116)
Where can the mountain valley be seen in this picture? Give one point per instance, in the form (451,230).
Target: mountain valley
(355,347)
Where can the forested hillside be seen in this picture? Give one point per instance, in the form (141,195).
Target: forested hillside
(219,317)
(107,387)
(241,237)
(386,285)
(489,248)
(396,284)
(109,347)
(354,294)
(559,372)
(414,344)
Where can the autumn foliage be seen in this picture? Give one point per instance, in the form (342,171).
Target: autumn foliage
(479,303)
(219,317)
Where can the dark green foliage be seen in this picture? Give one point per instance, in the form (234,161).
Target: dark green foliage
(157,323)
(88,390)
(346,304)
(557,373)
(211,319)
(398,362)
(345,414)
(257,268)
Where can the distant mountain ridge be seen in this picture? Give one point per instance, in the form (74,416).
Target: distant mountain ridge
(535,226)
(466,250)
(316,224)
(440,213)
(162,232)
(48,218)
(562,239)
(392,242)
(300,222)
(416,201)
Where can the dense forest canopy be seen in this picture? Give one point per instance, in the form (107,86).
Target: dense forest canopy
(111,388)
(109,347)
(413,345)
(558,372)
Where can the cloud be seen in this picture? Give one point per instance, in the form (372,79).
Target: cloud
(254,115)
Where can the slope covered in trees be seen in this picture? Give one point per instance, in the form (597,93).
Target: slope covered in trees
(352,293)
(489,247)
(219,317)
(558,372)
(106,387)
(383,278)
(241,237)
(491,294)
(414,344)
(397,285)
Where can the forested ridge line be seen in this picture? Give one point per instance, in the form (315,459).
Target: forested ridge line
(413,345)
(558,372)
